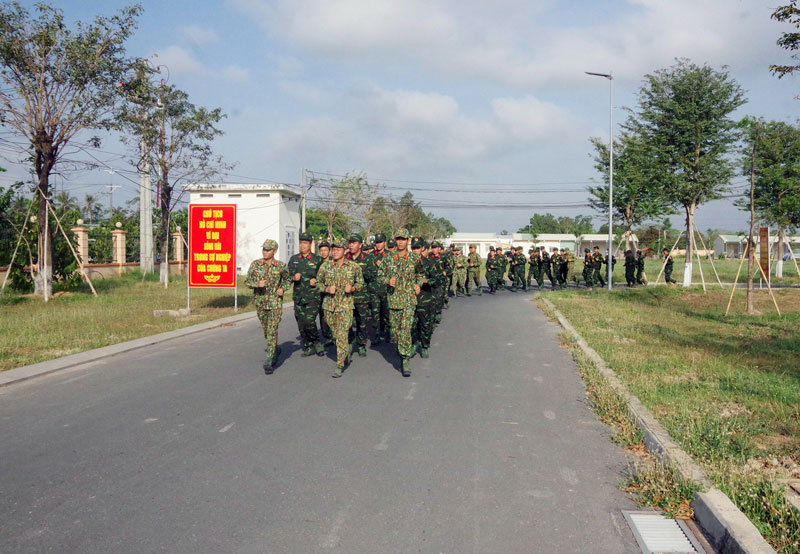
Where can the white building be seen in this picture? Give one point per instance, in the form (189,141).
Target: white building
(263,211)
(601,240)
(482,241)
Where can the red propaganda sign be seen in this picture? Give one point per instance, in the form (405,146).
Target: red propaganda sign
(212,245)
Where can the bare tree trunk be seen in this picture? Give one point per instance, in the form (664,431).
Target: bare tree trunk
(44,161)
(750,250)
(779,246)
(687,271)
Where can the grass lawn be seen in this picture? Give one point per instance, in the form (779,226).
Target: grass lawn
(75,321)
(726,389)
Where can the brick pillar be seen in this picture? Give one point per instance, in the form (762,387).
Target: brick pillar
(178,246)
(82,243)
(118,248)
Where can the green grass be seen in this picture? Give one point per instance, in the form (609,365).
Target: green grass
(74,321)
(726,388)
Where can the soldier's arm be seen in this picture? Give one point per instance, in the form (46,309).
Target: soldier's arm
(284,280)
(322,278)
(419,273)
(358,281)
(251,281)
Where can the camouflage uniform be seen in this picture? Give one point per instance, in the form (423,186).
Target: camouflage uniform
(407,270)
(588,268)
(668,268)
(598,268)
(474,272)
(339,306)
(639,268)
(269,305)
(518,261)
(491,272)
(555,276)
(362,300)
(425,311)
(440,285)
(501,262)
(449,266)
(306,297)
(459,274)
(380,307)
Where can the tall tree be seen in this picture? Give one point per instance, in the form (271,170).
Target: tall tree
(684,116)
(637,195)
(56,82)
(173,138)
(788,40)
(773,156)
(548,223)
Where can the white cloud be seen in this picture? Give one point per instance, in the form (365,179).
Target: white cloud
(525,44)
(179,60)
(198,36)
(531,119)
(236,74)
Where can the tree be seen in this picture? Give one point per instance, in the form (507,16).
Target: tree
(548,223)
(173,139)
(773,156)
(637,196)
(58,81)
(684,118)
(788,41)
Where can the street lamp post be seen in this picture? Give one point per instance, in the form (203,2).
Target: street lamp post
(610,169)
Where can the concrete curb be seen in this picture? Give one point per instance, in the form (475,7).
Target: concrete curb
(727,528)
(24,373)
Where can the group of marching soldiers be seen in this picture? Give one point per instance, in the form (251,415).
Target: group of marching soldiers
(395,291)
(390,291)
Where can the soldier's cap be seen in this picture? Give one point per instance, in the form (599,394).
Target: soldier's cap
(337,242)
(270,244)
(436,244)
(586,250)
(355,237)
(491,248)
(638,251)
(324,243)
(391,243)
(402,233)
(418,243)
(472,247)
(306,236)
(380,237)
(665,250)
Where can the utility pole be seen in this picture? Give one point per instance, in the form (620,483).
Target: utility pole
(303,192)
(111,189)
(146,262)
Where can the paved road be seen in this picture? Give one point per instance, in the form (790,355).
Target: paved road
(189,448)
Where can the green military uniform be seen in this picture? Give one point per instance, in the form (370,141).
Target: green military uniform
(547,268)
(630,268)
(502,263)
(406,269)
(491,271)
(449,265)
(588,268)
(474,272)
(597,274)
(380,308)
(569,264)
(339,305)
(440,286)
(269,304)
(537,267)
(556,260)
(639,268)
(459,272)
(362,300)
(306,297)
(324,329)
(425,311)
(668,267)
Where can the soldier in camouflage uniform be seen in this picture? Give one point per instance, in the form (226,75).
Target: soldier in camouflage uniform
(459,272)
(639,268)
(597,275)
(491,270)
(501,261)
(563,269)
(403,274)
(588,268)
(339,279)
(303,271)
(377,289)
(425,312)
(324,251)
(474,271)
(668,267)
(536,266)
(555,268)
(449,266)
(362,312)
(569,270)
(440,288)
(268,278)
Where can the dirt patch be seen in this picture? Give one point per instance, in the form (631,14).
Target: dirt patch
(676,379)
(733,409)
(780,467)
(775,442)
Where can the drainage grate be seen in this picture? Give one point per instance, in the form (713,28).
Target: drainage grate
(657,534)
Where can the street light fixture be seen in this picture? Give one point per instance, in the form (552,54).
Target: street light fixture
(610,168)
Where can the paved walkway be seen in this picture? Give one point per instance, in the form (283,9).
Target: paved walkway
(187,447)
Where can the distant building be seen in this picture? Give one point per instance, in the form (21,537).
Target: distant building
(732,246)
(601,240)
(263,211)
(483,241)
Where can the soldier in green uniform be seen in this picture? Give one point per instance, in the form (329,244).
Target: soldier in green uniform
(630,268)
(403,274)
(522,262)
(474,271)
(440,287)
(536,267)
(639,268)
(459,272)
(339,279)
(447,259)
(569,271)
(491,270)
(380,309)
(391,246)
(324,251)
(563,270)
(362,311)
(546,266)
(303,269)
(668,267)
(556,260)
(425,312)
(502,264)
(588,268)
(268,278)
(597,274)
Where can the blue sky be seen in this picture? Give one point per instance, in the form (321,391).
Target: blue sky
(491,95)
